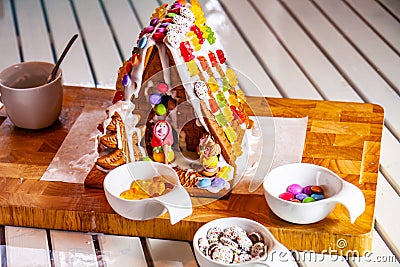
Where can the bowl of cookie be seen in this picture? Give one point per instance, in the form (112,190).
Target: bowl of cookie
(144,190)
(236,241)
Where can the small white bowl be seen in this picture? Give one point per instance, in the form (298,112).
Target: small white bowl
(336,190)
(177,202)
(277,254)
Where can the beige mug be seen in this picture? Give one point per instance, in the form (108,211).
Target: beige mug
(30,101)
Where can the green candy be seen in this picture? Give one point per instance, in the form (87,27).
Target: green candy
(160,109)
(308,200)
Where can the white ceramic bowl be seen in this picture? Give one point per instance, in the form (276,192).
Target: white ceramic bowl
(177,202)
(336,190)
(277,254)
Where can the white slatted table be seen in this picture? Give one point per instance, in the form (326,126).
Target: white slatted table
(345,50)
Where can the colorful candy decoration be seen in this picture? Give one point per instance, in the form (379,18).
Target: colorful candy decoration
(203,63)
(155,99)
(142,42)
(307,194)
(186,51)
(230,134)
(232,77)
(209,151)
(162,142)
(159,12)
(201,90)
(212,58)
(162,87)
(160,109)
(119,95)
(213,84)
(213,105)
(196,30)
(221,56)
(197,12)
(210,35)
(192,67)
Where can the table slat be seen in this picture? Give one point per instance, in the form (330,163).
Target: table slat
(320,70)
(73,249)
(8,40)
(103,53)
(379,19)
(271,53)
(124,24)
(26,247)
(76,69)
(120,251)
(171,253)
(349,61)
(373,48)
(393,6)
(144,9)
(34,37)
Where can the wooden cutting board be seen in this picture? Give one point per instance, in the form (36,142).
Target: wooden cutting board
(344,137)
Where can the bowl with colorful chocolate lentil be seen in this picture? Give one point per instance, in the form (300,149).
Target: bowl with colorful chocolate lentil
(235,241)
(304,193)
(144,190)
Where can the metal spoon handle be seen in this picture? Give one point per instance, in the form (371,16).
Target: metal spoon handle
(66,49)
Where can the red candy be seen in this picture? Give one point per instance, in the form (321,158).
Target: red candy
(238,114)
(119,95)
(212,58)
(221,56)
(213,105)
(186,51)
(158,36)
(128,67)
(203,63)
(286,196)
(198,33)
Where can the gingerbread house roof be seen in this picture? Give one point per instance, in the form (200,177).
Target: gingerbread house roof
(178,36)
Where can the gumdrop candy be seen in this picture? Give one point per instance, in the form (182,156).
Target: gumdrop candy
(221,56)
(186,51)
(192,67)
(213,85)
(221,120)
(221,100)
(228,113)
(212,58)
(203,63)
(225,84)
(230,134)
(213,105)
(232,77)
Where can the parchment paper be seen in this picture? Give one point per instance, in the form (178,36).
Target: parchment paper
(271,143)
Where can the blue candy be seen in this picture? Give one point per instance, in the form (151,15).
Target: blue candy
(204,183)
(317,196)
(142,42)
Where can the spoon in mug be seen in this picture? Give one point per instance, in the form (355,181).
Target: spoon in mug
(53,73)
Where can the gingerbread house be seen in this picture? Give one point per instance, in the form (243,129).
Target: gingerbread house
(177,76)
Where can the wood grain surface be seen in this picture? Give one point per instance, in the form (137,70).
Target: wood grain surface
(344,137)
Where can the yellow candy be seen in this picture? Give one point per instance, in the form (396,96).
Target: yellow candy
(159,12)
(213,85)
(231,75)
(228,113)
(230,134)
(241,95)
(233,101)
(224,172)
(237,149)
(192,67)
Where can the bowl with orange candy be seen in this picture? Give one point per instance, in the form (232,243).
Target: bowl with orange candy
(144,190)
